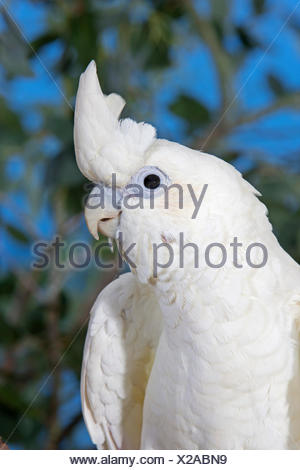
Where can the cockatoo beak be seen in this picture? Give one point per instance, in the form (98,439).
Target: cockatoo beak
(102,211)
(103,221)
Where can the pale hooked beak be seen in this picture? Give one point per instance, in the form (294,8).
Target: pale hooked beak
(102,211)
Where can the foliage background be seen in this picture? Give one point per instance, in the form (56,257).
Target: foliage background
(181,65)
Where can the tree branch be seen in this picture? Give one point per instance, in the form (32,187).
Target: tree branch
(54,353)
(288,101)
(206,32)
(68,429)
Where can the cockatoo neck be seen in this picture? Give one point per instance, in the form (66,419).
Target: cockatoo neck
(191,297)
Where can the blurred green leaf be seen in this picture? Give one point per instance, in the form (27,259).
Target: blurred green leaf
(11,39)
(246,38)
(43,40)
(259,6)
(276,85)
(12,132)
(17,234)
(7,284)
(191,110)
(172,8)
(152,40)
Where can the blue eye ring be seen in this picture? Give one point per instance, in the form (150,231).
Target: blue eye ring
(149,181)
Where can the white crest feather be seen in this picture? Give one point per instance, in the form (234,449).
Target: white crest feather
(103,144)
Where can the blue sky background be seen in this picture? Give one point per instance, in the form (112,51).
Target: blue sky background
(193,72)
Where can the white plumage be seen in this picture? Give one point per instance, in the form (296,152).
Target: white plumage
(195,357)
(102,143)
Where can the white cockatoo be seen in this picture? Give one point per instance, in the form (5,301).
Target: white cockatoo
(184,355)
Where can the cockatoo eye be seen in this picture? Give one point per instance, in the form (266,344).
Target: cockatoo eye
(152,181)
(148,181)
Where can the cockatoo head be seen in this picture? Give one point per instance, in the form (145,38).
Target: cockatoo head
(132,168)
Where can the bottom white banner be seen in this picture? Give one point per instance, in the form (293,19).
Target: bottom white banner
(230,459)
